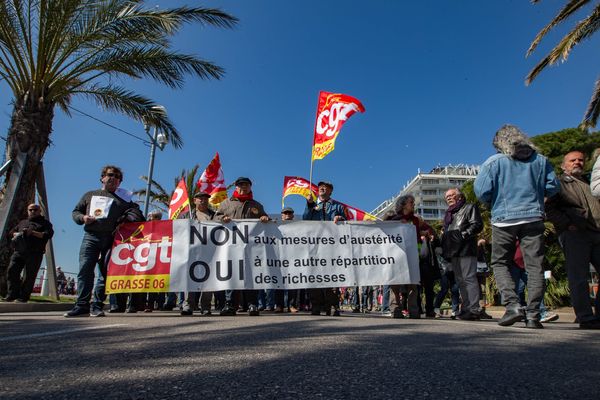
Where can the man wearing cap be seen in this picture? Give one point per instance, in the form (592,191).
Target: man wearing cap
(201,212)
(324,209)
(241,206)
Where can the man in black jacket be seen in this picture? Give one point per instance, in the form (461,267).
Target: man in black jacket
(462,223)
(100,212)
(29,240)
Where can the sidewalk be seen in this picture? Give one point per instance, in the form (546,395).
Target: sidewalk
(34,307)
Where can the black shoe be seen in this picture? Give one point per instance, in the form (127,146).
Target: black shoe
(116,310)
(97,312)
(253,311)
(205,312)
(430,314)
(511,316)
(336,313)
(131,310)
(533,324)
(168,307)
(484,315)
(469,316)
(328,312)
(8,299)
(356,310)
(397,314)
(77,312)
(593,324)
(20,301)
(227,311)
(186,310)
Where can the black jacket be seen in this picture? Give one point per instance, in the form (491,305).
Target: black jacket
(460,239)
(30,243)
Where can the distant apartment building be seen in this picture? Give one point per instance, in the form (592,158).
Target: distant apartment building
(429,188)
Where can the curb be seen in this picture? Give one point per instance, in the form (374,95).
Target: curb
(33,307)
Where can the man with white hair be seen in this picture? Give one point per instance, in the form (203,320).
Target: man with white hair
(514,183)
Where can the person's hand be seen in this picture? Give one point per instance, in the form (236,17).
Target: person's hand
(226,218)
(264,218)
(88,219)
(337,219)
(26,231)
(481,242)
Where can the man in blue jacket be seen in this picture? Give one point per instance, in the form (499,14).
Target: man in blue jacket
(514,184)
(324,209)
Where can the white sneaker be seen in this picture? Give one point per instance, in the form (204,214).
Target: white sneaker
(549,317)
(438,313)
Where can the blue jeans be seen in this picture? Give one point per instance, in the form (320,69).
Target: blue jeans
(93,251)
(385,302)
(448,283)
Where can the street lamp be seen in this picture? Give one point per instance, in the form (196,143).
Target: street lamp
(158,139)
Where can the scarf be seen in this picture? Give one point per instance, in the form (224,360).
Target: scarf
(450,213)
(242,197)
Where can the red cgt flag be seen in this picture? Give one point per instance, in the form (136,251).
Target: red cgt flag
(333,110)
(298,185)
(212,181)
(354,214)
(180,201)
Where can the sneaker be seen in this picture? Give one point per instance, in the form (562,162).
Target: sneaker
(131,310)
(293,309)
(20,301)
(336,313)
(437,312)
(8,299)
(398,314)
(253,311)
(186,310)
(387,313)
(278,310)
(356,310)
(205,312)
(549,317)
(96,312)
(453,315)
(266,309)
(77,312)
(227,311)
(484,315)
(115,310)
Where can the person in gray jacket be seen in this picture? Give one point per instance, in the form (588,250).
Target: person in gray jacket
(241,206)
(514,183)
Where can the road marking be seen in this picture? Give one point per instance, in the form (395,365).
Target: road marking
(36,335)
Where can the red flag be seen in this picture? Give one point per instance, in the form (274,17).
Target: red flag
(354,214)
(333,110)
(212,181)
(180,201)
(298,185)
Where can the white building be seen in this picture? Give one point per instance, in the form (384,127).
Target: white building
(429,189)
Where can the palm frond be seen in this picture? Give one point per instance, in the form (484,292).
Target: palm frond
(582,30)
(138,107)
(590,117)
(569,9)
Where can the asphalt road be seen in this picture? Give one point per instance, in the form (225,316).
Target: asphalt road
(285,356)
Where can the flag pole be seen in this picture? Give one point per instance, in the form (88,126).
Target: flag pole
(312,149)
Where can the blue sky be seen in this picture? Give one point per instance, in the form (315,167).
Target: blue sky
(437,78)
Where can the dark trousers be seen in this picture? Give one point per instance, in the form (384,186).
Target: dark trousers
(531,239)
(581,248)
(29,264)
(324,299)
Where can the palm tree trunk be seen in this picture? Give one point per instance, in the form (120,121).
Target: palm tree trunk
(31,125)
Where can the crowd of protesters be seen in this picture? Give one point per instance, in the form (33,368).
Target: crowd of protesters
(517,184)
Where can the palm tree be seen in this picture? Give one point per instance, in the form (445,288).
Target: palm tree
(160,198)
(582,30)
(53,50)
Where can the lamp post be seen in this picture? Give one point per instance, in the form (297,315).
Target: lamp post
(159,139)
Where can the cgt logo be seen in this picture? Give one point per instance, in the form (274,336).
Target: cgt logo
(145,248)
(329,122)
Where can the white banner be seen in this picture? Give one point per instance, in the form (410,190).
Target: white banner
(211,256)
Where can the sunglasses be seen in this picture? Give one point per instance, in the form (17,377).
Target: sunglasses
(33,209)
(112,175)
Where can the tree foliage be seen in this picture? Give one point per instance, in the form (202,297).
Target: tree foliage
(582,30)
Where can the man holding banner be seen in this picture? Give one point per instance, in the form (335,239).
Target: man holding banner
(241,206)
(325,209)
(99,211)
